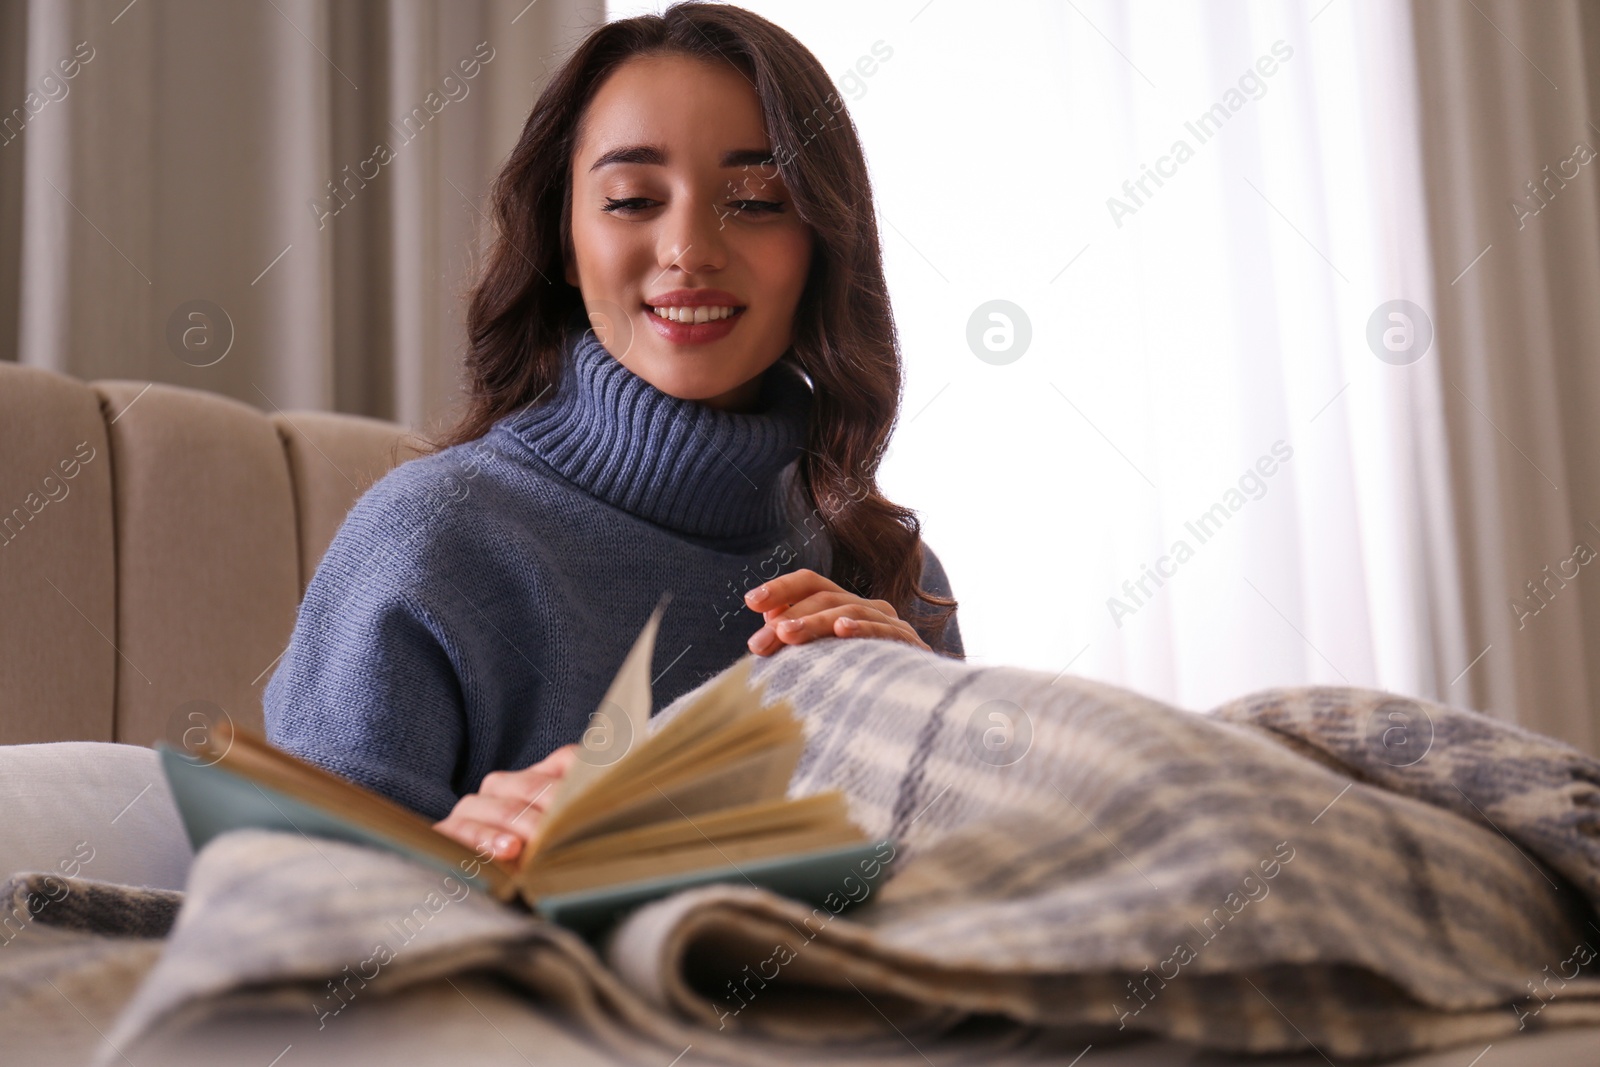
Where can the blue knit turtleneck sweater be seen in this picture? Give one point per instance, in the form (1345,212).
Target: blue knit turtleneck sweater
(475,604)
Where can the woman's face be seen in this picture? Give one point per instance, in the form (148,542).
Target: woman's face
(676,204)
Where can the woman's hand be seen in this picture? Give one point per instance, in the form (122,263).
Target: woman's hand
(504,813)
(803,605)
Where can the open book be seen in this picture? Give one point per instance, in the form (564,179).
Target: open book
(639,814)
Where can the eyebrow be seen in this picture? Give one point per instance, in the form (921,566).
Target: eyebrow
(656,155)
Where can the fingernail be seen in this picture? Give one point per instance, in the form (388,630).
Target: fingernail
(762,639)
(756,595)
(789,626)
(848,624)
(504,843)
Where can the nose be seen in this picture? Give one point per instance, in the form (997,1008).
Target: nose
(691,237)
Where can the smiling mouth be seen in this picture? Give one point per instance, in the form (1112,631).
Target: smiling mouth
(688,316)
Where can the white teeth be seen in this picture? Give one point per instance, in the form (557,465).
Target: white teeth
(694,314)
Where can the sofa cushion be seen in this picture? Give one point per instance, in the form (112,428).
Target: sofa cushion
(208,568)
(58,663)
(333,459)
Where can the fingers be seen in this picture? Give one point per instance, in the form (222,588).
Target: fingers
(815,602)
(796,626)
(765,640)
(557,763)
(851,620)
(900,631)
(532,786)
(792,626)
(802,627)
(483,838)
(504,813)
(510,814)
(500,825)
(786,589)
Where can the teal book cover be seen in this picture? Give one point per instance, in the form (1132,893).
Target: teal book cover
(213,800)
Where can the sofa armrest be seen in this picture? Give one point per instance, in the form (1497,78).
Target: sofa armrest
(91,809)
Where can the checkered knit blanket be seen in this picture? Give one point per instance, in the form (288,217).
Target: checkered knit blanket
(1333,868)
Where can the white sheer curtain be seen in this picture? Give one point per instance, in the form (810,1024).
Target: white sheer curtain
(1169,354)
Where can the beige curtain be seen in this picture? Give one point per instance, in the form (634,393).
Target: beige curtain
(1510,128)
(165,159)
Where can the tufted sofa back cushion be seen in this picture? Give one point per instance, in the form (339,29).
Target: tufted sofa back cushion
(154,544)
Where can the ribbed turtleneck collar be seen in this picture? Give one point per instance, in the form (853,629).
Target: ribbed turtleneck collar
(678,463)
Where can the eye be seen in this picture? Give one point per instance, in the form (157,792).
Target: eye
(629,205)
(625,206)
(760,207)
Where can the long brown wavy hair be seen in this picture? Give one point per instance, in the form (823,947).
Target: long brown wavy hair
(844,334)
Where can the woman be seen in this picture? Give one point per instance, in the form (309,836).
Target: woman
(690,186)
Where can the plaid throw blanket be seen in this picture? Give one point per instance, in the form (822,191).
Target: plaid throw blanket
(1330,868)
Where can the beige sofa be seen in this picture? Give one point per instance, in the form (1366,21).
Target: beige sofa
(154,544)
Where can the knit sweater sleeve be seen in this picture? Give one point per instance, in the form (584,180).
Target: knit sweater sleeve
(934,580)
(367,688)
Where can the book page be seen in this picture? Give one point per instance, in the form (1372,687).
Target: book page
(691,856)
(681,746)
(770,828)
(643,777)
(761,775)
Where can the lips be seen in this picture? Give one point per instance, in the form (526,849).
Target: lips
(690,298)
(691,333)
(702,313)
